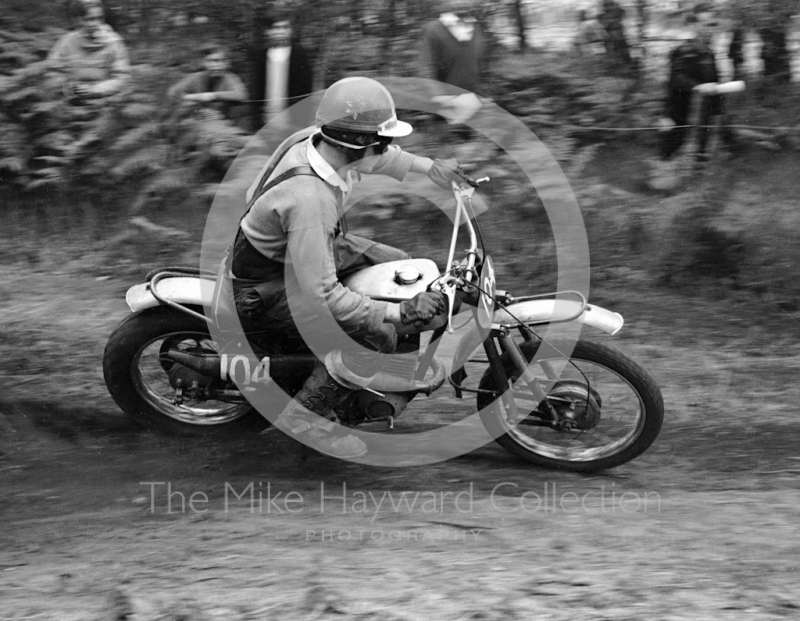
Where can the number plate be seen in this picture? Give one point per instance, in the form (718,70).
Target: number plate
(487,284)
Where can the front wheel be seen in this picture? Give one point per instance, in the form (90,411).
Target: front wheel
(144,385)
(614,408)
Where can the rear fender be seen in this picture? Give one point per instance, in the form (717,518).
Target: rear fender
(184,290)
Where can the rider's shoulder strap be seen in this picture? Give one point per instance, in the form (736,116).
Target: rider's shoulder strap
(264,186)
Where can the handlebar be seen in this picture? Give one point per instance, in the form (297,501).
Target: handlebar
(460,193)
(456,274)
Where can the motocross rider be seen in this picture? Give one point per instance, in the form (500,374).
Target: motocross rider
(293,244)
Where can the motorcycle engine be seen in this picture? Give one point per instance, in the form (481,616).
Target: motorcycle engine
(366,407)
(180,376)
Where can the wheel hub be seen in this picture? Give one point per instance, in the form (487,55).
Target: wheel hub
(575,405)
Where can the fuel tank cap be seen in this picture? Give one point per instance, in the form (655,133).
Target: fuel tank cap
(407,275)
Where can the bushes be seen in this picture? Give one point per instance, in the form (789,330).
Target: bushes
(149,158)
(126,154)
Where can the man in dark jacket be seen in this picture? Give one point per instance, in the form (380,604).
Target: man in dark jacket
(736,50)
(282,73)
(611,17)
(693,69)
(454,48)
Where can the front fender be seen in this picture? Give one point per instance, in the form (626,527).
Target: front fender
(184,290)
(538,312)
(533,312)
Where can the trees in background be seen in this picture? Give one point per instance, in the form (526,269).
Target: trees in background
(371,37)
(772,21)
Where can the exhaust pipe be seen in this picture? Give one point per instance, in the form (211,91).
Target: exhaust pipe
(244,369)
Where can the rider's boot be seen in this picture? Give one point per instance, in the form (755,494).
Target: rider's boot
(309,417)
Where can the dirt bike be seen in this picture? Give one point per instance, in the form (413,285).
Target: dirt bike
(571,404)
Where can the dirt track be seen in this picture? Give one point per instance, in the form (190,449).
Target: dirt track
(704,525)
(713,536)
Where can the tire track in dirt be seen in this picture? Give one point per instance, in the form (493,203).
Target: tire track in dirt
(716,534)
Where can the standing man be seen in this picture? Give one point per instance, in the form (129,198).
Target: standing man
(283,72)
(89,65)
(775,51)
(611,17)
(693,72)
(454,52)
(736,49)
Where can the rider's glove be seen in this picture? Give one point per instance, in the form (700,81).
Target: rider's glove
(423,307)
(443,172)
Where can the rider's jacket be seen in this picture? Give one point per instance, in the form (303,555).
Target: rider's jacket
(296,222)
(691,63)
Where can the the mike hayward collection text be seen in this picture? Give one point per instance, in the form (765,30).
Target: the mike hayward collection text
(268,498)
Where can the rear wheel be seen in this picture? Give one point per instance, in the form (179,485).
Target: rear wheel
(143,384)
(614,407)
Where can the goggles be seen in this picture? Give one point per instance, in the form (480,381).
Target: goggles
(380,145)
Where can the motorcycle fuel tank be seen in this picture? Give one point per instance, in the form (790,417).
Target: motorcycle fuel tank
(394,281)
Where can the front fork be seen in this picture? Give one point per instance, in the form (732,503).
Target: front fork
(526,375)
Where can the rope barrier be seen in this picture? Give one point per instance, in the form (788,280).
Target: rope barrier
(589,127)
(298,97)
(664,129)
(599,128)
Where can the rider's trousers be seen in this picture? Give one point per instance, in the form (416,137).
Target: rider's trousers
(265,308)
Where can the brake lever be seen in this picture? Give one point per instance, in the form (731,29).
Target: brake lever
(475,183)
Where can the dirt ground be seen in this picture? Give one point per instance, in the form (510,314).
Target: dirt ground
(105,521)
(702,526)
(102,520)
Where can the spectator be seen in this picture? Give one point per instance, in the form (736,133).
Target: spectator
(282,74)
(454,52)
(215,86)
(692,66)
(693,74)
(89,66)
(774,51)
(590,37)
(611,17)
(736,50)
(92,60)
